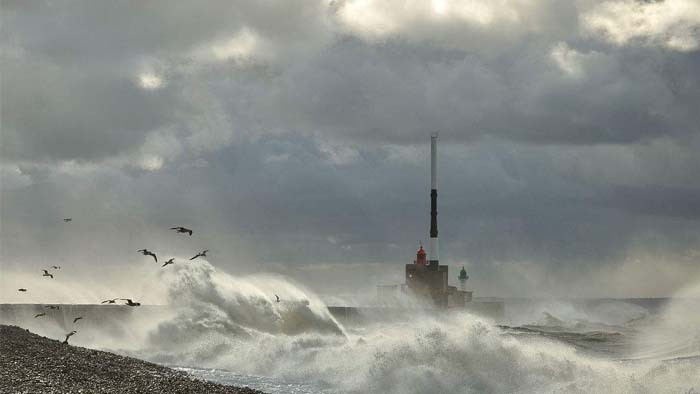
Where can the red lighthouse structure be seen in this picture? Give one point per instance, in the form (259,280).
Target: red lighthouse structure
(421,257)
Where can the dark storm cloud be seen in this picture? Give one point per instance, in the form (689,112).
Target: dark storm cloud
(396,91)
(68,114)
(71,71)
(296,132)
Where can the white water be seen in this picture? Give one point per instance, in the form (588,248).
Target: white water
(231,330)
(235,325)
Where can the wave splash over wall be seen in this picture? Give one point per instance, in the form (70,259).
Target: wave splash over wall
(236,324)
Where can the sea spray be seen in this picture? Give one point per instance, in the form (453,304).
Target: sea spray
(235,324)
(675,333)
(248,303)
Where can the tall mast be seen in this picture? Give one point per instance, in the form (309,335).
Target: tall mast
(434,254)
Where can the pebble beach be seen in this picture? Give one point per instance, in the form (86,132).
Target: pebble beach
(30,363)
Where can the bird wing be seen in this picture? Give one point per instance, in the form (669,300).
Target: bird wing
(197,255)
(154,256)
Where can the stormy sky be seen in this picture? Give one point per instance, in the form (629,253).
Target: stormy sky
(293,137)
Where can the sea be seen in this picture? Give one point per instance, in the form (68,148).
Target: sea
(229,330)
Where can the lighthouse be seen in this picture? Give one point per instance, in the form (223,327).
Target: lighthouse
(420,256)
(427,280)
(463,279)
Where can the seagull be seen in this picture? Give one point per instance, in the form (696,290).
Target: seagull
(70,334)
(200,254)
(21,289)
(46,273)
(277,297)
(112,301)
(52,307)
(68,220)
(171,261)
(76,319)
(39,315)
(182,230)
(55,267)
(129,302)
(147,252)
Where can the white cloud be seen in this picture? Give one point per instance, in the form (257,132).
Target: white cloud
(478,12)
(568,60)
(374,18)
(371,18)
(150,81)
(241,47)
(151,163)
(338,154)
(574,63)
(674,24)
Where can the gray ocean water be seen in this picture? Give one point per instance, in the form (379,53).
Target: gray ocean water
(226,329)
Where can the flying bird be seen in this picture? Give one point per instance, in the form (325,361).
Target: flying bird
(182,230)
(171,261)
(70,334)
(147,252)
(200,254)
(21,289)
(46,273)
(76,319)
(68,220)
(52,307)
(129,302)
(55,267)
(112,301)
(40,315)
(277,298)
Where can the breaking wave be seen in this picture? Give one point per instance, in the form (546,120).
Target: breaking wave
(233,324)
